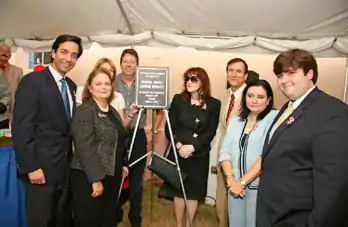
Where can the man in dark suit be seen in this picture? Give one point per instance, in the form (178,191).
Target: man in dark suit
(304,177)
(44,105)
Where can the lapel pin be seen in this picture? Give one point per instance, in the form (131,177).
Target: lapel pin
(204,107)
(290,121)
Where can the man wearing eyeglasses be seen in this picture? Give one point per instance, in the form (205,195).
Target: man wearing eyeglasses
(4,101)
(12,73)
(237,73)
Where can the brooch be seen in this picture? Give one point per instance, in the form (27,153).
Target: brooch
(290,121)
(101,115)
(204,107)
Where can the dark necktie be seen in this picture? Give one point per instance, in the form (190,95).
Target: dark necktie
(64,92)
(230,107)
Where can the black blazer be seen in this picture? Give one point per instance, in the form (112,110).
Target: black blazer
(304,178)
(187,130)
(40,131)
(96,141)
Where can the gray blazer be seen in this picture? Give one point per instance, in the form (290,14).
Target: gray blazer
(95,139)
(4,95)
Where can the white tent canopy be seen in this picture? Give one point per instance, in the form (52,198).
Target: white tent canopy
(319,26)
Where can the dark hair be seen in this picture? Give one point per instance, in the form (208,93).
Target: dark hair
(235,60)
(294,59)
(244,109)
(131,52)
(252,76)
(86,94)
(67,38)
(204,91)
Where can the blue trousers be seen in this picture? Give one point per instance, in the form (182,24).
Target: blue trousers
(12,192)
(242,211)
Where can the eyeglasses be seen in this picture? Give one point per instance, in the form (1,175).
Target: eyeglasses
(194,79)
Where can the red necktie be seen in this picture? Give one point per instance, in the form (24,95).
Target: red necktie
(230,107)
(4,69)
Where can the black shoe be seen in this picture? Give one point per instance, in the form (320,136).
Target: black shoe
(136,224)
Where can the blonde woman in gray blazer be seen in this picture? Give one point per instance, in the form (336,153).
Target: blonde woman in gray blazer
(240,154)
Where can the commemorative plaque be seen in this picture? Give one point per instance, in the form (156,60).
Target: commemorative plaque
(152,87)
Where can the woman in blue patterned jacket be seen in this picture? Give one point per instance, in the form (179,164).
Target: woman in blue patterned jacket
(240,155)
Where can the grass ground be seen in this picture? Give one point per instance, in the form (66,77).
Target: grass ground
(162,214)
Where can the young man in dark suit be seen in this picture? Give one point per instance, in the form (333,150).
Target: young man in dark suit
(304,177)
(44,105)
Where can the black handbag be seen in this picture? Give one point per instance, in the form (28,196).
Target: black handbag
(166,192)
(166,170)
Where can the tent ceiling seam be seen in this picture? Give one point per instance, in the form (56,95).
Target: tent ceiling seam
(125,17)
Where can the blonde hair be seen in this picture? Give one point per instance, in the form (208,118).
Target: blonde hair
(101,62)
(86,93)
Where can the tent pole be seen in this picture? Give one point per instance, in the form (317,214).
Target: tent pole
(125,17)
(345,94)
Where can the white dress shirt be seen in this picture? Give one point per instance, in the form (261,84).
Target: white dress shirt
(57,77)
(294,104)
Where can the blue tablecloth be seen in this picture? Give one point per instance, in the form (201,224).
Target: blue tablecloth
(12,202)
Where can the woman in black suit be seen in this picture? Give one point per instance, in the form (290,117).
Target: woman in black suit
(100,154)
(194,117)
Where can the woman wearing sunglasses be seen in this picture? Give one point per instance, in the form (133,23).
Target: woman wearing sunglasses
(194,117)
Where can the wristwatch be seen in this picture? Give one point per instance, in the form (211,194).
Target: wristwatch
(243,183)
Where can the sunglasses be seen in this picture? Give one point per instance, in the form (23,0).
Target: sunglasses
(194,79)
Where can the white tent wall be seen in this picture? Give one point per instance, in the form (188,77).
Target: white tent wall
(323,47)
(332,75)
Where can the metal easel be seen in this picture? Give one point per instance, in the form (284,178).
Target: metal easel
(154,153)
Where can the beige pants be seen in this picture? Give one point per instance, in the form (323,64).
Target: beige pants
(221,200)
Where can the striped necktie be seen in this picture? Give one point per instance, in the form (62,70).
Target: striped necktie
(281,119)
(284,116)
(230,107)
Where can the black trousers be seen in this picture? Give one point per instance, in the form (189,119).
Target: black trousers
(94,212)
(48,205)
(135,192)
(4,124)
